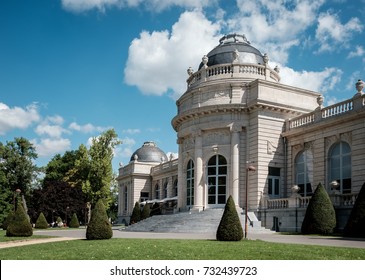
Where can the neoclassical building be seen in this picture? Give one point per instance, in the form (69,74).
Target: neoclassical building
(241,132)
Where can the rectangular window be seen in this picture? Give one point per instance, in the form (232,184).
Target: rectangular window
(273,181)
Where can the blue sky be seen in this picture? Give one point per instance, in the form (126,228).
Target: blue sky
(70,69)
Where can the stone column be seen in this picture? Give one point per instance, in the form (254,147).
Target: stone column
(181,181)
(198,176)
(235,141)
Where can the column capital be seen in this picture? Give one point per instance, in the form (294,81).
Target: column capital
(235,127)
(197,133)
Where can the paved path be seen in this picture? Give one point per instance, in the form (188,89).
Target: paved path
(63,235)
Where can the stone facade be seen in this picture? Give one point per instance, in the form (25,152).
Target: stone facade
(236,113)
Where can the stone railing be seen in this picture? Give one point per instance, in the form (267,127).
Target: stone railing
(341,200)
(164,166)
(344,199)
(277,203)
(337,109)
(358,102)
(232,71)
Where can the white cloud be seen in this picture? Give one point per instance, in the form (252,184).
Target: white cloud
(16,117)
(131,131)
(319,81)
(274,26)
(355,76)
(332,34)
(158,60)
(154,5)
(87,128)
(125,150)
(51,146)
(54,131)
(52,127)
(358,52)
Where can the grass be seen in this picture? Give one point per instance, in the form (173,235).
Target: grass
(158,249)
(4,238)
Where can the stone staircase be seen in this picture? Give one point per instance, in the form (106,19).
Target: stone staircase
(188,222)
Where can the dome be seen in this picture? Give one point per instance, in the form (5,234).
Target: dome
(149,152)
(234,47)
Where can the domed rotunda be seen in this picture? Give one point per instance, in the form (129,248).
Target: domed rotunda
(242,133)
(149,152)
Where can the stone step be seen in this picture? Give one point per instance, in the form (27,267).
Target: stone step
(189,222)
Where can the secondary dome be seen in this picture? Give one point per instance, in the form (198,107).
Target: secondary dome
(149,152)
(234,47)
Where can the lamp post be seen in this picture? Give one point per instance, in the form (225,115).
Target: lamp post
(248,168)
(16,193)
(66,215)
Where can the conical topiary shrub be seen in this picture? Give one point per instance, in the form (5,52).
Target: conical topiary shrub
(355,226)
(136,214)
(74,223)
(145,212)
(230,227)
(41,221)
(7,220)
(99,226)
(320,217)
(19,225)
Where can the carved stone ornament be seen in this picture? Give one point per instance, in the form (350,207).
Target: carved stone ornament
(266,58)
(190,71)
(236,55)
(320,100)
(205,60)
(360,86)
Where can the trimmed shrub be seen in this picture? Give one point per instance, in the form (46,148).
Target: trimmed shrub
(136,214)
(145,212)
(355,226)
(19,225)
(7,220)
(59,222)
(74,223)
(320,217)
(99,226)
(230,227)
(41,221)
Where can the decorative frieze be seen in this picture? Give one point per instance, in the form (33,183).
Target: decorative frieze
(221,137)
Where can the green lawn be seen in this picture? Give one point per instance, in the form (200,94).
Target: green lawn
(150,249)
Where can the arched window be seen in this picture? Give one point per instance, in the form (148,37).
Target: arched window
(125,198)
(175,193)
(217,180)
(190,183)
(340,166)
(165,188)
(157,191)
(304,172)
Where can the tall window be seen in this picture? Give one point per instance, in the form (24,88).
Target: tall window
(190,183)
(165,188)
(175,188)
(217,180)
(157,191)
(125,198)
(304,172)
(340,166)
(274,182)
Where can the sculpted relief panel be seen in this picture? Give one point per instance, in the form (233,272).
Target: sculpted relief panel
(216,137)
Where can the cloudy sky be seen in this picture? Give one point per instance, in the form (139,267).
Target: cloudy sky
(70,69)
